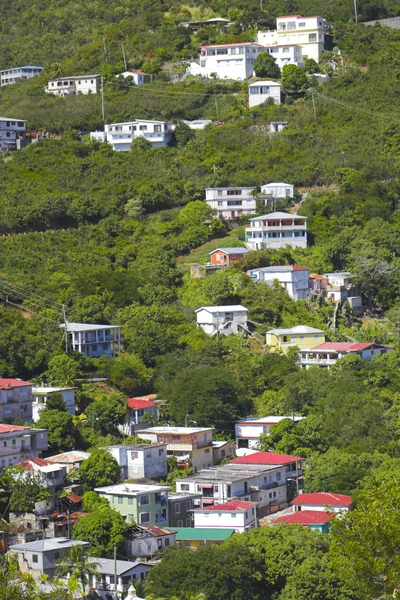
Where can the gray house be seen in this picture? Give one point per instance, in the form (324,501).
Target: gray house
(40,558)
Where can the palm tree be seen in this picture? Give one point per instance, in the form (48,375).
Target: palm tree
(56,70)
(77,565)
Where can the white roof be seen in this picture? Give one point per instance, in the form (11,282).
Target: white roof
(269,83)
(49,390)
(271,419)
(48,544)
(12,119)
(106,566)
(135,121)
(177,430)
(217,309)
(74,327)
(297,329)
(131,489)
(273,184)
(217,444)
(278,215)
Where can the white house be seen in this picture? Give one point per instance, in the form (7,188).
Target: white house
(52,475)
(223,320)
(263,484)
(18,442)
(144,541)
(139,461)
(78,84)
(104,581)
(249,429)
(277,126)
(260,91)
(94,340)
(9,76)
(276,230)
(137,76)
(41,557)
(40,396)
(231,202)
(286,54)
(293,279)
(197,124)
(323,501)
(227,61)
(137,409)
(278,190)
(237,515)
(190,446)
(293,464)
(15,400)
(121,135)
(12,133)
(328,353)
(306,32)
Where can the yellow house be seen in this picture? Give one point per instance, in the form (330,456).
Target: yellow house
(302,336)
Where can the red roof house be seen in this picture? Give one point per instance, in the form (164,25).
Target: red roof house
(313,519)
(266,458)
(236,514)
(321,500)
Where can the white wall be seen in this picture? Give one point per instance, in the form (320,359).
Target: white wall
(225,520)
(258,94)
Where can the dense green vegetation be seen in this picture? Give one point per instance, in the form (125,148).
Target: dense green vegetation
(109,236)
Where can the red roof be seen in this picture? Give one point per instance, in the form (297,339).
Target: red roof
(306,517)
(28,463)
(75,498)
(229,506)
(12,383)
(10,428)
(346,346)
(141,402)
(323,498)
(266,458)
(156,531)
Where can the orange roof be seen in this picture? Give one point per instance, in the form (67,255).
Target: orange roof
(316,276)
(10,428)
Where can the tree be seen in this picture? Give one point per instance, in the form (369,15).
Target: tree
(294,80)
(98,470)
(60,429)
(207,395)
(55,402)
(311,66)
(25,488)
(62,370)
(106,412)
(128,373)
(265,66)
(76,564)
(365,544)
(183,133)
(103,529)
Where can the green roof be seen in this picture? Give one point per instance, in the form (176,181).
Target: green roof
(198,534)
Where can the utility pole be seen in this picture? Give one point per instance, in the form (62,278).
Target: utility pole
(68,525)
(261,6)
(355,10)
(313,103)
(398,330)
(65,328)
(216,106)
(115,572)
(123,54)
(102,100)
(105,49)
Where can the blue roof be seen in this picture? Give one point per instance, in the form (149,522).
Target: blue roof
(30,67)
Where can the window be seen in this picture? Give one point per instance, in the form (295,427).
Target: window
(161,451)
(246,516)
(220,203)
(94,347)
(254,90)
(145,517)
(177,508)
(206,515)
(274,494)
(143,127)
(233,515)
(166,542)
(252,511)
(91,81)
(5,444)
(120,499)
(264,90)
(222,51)
(20,124)
(233,193)
(234,202)
(185,487)
(302,24)
(188,504)
(56,555)
(285,50)
(211,52)
(202,63)
(35,558)
(130,501)
(291,25)
(312,37)
(143,500)
(157,128)
(207,451)
(14,442)
(278,476)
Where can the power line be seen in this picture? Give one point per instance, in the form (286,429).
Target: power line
(22,293)
(342,104)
